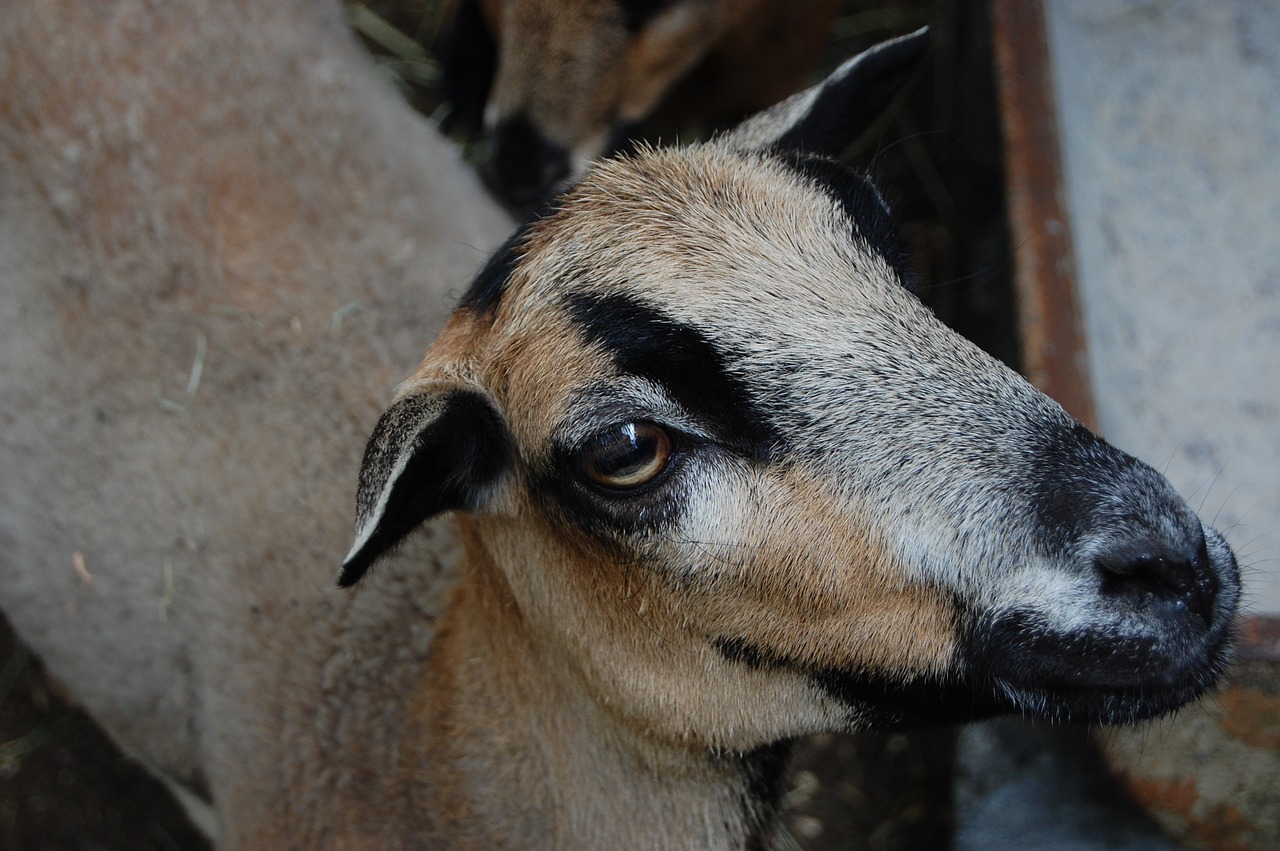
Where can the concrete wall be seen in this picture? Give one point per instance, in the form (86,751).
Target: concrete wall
(1169,116)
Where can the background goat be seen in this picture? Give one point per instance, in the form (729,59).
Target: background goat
(558,84)
(723,481)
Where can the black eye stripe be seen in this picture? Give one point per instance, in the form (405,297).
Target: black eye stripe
(695,372)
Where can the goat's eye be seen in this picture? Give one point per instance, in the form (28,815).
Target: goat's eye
(627,456)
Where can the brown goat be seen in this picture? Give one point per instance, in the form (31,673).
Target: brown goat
(718,480)
(559,83)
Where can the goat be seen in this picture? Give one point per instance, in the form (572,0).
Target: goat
(705,476)
(558,84)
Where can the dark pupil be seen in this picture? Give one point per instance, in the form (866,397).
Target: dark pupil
(625,452)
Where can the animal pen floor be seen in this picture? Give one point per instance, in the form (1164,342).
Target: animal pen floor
(64,786)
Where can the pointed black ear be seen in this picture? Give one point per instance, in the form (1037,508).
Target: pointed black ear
(827,118)
(435,451)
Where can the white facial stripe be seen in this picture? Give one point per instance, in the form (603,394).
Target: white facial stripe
(368,521)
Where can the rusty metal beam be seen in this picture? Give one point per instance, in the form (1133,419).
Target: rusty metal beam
(1054,351)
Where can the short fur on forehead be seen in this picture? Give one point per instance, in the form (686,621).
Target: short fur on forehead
(704,224)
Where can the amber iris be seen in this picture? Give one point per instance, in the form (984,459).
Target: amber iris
(627,456)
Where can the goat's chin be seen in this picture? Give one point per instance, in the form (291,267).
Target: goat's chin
(1097,676)
(1099,706)
(1016,666)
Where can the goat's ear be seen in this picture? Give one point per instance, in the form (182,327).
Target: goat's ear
(827,118)
(433,451)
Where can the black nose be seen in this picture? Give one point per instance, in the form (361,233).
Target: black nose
(524,166)
(1172,574)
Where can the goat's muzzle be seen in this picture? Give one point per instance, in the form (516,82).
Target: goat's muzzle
(1145,627)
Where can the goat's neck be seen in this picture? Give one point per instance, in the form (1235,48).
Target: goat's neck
(515,753)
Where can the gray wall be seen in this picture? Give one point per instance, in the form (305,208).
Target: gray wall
(1170,120)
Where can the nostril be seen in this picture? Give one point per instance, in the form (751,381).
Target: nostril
(525,166)
(1163,573)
